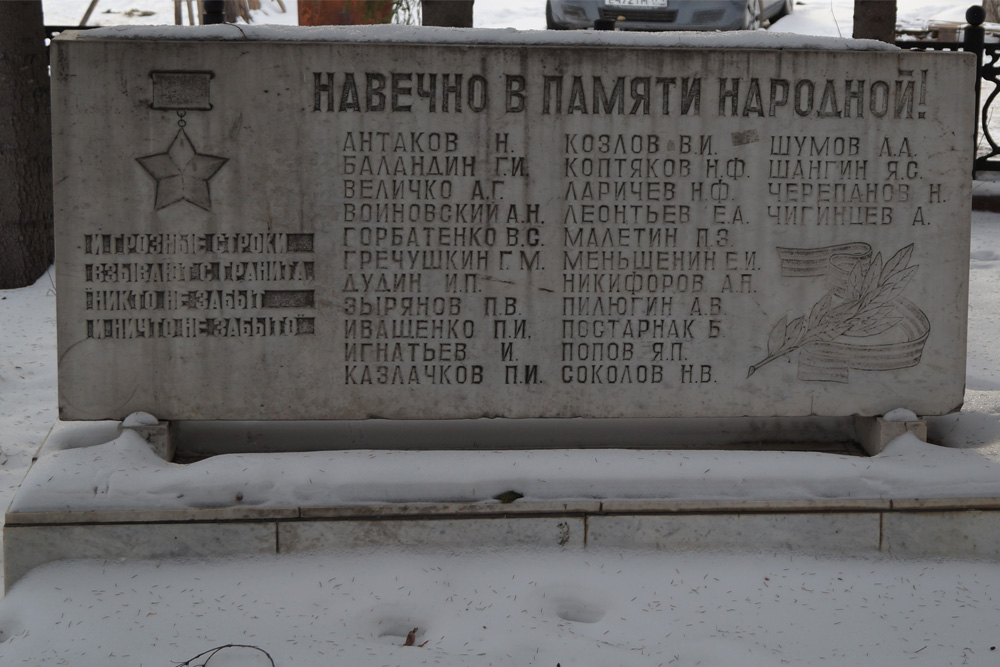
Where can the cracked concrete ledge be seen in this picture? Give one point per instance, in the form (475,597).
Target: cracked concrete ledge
(941,527)
(434,511)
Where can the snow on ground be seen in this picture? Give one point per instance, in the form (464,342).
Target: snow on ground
(978,424)
(508,609)
(512,608)
(27,378)
(125,474)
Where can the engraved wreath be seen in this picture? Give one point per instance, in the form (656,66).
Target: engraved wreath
(863,302)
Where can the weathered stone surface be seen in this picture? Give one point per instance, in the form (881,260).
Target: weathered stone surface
(828,531)
(875,433)
(28,547)
(957,534)
(340,229)
(294,537)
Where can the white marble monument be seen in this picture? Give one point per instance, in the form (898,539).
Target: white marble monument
(259,224)
(344,227)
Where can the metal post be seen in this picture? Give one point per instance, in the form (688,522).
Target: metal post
(86,15)
(975,39)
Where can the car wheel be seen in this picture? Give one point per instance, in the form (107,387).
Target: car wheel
(550,22)
(752,16)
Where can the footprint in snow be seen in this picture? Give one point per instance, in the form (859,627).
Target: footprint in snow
(576,604)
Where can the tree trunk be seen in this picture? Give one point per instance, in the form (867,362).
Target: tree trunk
(450,13)
(992,8)
(25,145)
(875,19)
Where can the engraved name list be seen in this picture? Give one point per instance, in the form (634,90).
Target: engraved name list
(533,231)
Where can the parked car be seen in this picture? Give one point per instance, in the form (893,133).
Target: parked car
(665,14)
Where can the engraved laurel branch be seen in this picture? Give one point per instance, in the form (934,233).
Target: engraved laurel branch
(865,310)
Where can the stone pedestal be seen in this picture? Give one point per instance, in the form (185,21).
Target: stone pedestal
(874,433)
(395,223)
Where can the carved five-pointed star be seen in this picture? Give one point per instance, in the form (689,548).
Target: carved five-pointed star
(182,173)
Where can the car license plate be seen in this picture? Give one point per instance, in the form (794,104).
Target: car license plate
(637,3)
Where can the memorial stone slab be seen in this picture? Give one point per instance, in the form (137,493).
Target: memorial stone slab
(345,228)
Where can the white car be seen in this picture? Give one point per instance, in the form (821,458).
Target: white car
(665,14)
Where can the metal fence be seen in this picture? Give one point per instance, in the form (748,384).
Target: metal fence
(987,69)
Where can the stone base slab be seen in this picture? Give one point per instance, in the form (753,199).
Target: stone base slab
(874,433)
(945,527)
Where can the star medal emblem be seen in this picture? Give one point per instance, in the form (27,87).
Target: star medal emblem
(182,173)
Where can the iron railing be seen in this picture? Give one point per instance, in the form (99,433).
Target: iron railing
(987,69)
